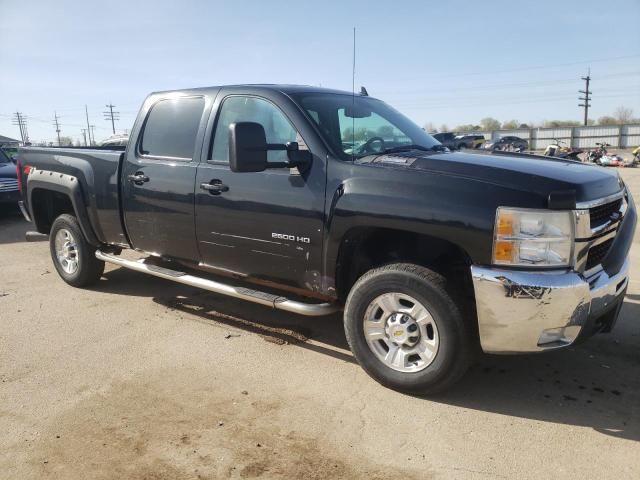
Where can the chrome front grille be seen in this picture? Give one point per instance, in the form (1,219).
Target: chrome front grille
(597,253)
(601,214)
(597,223)
(8,184)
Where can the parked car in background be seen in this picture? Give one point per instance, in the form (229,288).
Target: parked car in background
(455,141)
(448,139)
(10,152)
(9,191)
(468,141)
(115,141)
(508,143)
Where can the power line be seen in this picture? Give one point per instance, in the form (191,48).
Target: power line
(529,84)
(113,116)
(460,100)
(57,125)
(586,98)
(494,103)
(515,69)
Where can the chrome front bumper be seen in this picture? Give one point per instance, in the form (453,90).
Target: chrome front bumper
(534,311)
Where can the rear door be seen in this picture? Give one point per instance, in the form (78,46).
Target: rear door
(266,225)
(158,176)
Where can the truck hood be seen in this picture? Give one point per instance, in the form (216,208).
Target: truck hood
(537,174)
(7,170)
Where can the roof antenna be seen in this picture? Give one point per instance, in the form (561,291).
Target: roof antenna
(353,96)
(353,72)
(363,91)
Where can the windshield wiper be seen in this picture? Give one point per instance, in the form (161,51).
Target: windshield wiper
(406,148)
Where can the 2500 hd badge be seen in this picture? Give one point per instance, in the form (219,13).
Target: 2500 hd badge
(293,238)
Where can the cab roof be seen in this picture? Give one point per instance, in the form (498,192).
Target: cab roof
(283,88)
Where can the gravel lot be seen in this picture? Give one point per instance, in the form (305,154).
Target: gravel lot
(142,378)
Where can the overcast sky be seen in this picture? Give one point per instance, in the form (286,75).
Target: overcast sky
(450,62)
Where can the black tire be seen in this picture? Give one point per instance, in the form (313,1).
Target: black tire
(455,349)
(463,146)
(89,268)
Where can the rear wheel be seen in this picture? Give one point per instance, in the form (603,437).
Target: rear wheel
(406,331)
(73,257)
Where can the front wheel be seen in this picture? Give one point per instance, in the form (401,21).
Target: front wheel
(406,331)
(73,257)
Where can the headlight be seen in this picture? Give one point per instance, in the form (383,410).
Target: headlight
(525,237)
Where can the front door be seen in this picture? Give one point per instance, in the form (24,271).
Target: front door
(267,225)
(158,179)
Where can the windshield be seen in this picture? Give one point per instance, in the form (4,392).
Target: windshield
(3,157)
(359,126)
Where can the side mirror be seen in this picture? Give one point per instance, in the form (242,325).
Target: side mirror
(300,159)
(247,147)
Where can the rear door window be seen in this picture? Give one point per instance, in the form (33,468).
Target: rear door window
(171,128)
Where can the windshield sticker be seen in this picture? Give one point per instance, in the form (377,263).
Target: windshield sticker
(395,160)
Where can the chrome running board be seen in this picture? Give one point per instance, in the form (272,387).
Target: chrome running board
(255,296)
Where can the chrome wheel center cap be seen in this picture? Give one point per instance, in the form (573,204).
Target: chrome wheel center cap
(402,329)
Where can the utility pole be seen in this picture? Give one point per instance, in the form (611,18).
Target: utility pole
(113,116)
(21,121)
(84,135)
(57,125)
(86,111)
(586,92)
(93,134)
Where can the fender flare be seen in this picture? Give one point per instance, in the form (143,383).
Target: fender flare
(67,185)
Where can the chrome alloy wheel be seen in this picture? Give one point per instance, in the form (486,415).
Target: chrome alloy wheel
(401,332)
(66,251)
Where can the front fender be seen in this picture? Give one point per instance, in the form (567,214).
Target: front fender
(458,210)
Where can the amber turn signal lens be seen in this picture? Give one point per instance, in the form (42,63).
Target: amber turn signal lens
(505,224)
(504,251)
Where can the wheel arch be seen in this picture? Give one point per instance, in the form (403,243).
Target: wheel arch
(364,248)
(53,195)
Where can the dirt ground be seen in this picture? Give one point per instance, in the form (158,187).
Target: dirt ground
(139,378)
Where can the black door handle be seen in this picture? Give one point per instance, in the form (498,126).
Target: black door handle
(138,178)
(215,187)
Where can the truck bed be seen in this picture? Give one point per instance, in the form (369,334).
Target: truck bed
(97,173)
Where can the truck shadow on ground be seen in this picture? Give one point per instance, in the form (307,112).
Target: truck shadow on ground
(595,385)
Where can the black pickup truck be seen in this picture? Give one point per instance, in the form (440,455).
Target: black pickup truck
(315,201)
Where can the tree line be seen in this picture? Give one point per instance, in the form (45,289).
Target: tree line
(621,115)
